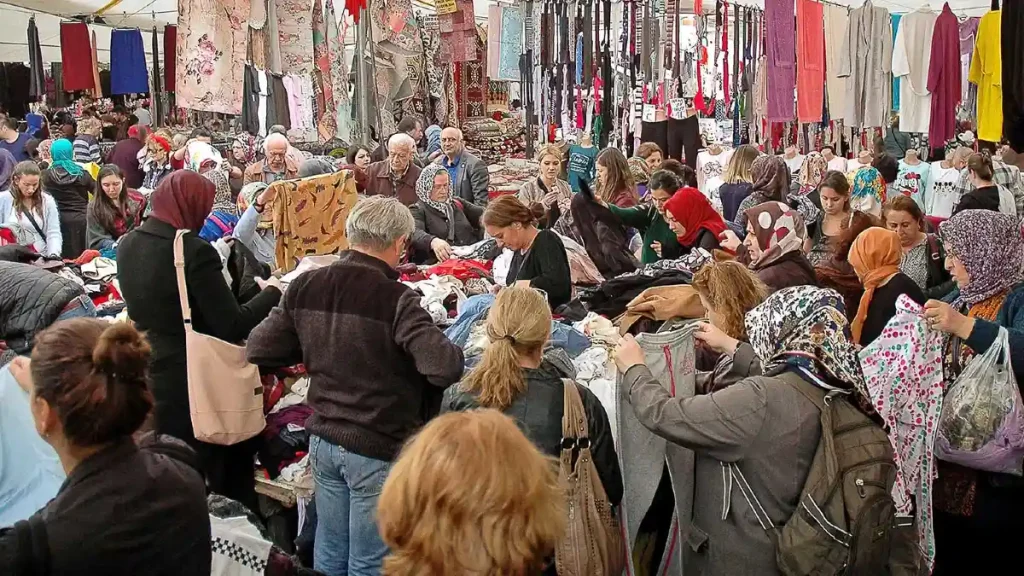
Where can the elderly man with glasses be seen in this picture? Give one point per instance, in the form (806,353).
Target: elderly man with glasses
(396,176)
(277,165)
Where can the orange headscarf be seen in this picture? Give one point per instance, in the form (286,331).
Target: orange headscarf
(875,255)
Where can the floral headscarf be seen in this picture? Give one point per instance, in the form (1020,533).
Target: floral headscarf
(992,250)
(224,199)
(805,327)
(44,150)
(639,169)
(868,182)
(425,184)
(812,172)
(250,146)
(771,178)
(247,197)
(200,154)
(778,230)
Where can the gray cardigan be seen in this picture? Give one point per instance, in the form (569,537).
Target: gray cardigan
(762,424)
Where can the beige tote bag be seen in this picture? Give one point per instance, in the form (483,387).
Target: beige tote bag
(225,395)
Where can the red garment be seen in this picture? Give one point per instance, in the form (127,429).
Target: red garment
(76,55)
(86,257)
(810,57)
(183,199)
(354,7)
(170,56)
(462,269)
(691,208)
(944,77)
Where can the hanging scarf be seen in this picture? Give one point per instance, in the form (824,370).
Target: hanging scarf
(63,157)
(868,182)
(812,172)
(805,327)
(990,246)
(425,185)
(691,208)
(875,255)
(247,197)
(778,230)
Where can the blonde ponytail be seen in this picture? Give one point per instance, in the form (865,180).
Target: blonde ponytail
(519,323)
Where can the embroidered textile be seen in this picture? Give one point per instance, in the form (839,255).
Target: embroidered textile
(294,32)
(903,372)
(323,85)
(310,216)
(510,45)
(211,46)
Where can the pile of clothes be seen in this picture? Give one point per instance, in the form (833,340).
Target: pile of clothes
(493,140)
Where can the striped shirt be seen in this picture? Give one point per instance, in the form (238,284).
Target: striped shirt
(87,149)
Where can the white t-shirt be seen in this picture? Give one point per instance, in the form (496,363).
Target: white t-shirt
(710,168)
(794,164)
(940,195)
(838,163)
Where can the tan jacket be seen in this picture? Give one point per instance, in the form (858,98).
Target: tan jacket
(254,173)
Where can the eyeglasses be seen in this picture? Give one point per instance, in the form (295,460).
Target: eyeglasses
(449,140)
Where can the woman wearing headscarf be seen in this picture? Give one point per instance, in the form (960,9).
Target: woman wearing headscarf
(45,154)
(70,186)
(243,153)
(771,183)
(694,221)
(764,425)
(7,164)
(868,192)
(255,228)
(811,173)
(773,247)
(978,511)
(182,202)
(875,256)
(442,221)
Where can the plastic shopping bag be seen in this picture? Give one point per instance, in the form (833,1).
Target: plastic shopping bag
(982,421)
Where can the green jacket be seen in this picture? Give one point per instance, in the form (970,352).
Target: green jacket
(652,228)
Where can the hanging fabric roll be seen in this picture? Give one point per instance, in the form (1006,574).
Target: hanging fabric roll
(76,56)
(781,52)
(170,56)
(128,74)
(810,46)
(37,81)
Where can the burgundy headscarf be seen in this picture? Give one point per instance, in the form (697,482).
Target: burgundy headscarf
(183,199)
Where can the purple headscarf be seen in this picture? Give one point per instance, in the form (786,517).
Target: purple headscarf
(991,248)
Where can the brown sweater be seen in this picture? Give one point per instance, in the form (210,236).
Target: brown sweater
(377,364)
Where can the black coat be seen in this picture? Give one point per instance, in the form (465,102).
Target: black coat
(432,223)
(606,241)
(30,300)
(71,193)
(150,290)
(538,413)
(123,511)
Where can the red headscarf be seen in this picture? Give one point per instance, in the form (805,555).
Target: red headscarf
(691,209)
(183,199)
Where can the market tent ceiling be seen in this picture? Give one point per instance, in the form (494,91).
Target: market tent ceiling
(147,14)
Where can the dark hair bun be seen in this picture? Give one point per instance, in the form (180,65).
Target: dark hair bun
(122,353)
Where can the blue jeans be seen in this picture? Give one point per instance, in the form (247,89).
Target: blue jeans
(82,308)
(347,488)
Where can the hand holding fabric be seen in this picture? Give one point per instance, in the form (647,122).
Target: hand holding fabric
(628,354)
(943,317)
(716,339)
(729,240)
(442,250)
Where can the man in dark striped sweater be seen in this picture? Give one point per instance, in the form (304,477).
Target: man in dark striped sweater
(87,145)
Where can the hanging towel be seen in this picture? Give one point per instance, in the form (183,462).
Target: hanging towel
(128,74)
(76,56)
(170,56)
(836,19)
(37,85)
(810,43)
(781,51)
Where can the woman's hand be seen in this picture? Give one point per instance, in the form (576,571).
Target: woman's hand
(442,250)
(628,354)
(945,318)
(729,240)
(21,369)
(272,282)
(656,247)
(549,200)
(267,196)
(716,339)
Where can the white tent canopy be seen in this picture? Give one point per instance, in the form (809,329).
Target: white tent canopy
(147,14)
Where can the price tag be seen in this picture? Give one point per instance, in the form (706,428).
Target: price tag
(445,6)
(650,113)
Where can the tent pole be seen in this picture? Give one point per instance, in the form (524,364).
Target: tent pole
(362,81)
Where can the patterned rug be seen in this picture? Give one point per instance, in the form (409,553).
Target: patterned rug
(472,84)
(294,25)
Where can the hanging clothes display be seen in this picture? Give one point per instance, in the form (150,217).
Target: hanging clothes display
(37,82)
(866,60)
(903,374)
(211,48)
(911,58)
(1012,42)
(897,20)
(76,56)
(323,81)
(987,74)
(128,74)
(944,81)
(310,216)
(810,45)
(836,21)
(156,92)
(97,90)
(294,22)
(170,56)
(780,44)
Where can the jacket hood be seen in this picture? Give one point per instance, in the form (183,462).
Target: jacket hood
(62,177)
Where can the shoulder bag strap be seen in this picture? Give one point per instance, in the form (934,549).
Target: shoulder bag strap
(179,269)
(574,416)
(32,220)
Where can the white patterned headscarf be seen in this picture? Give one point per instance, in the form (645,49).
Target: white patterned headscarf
(425,185)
